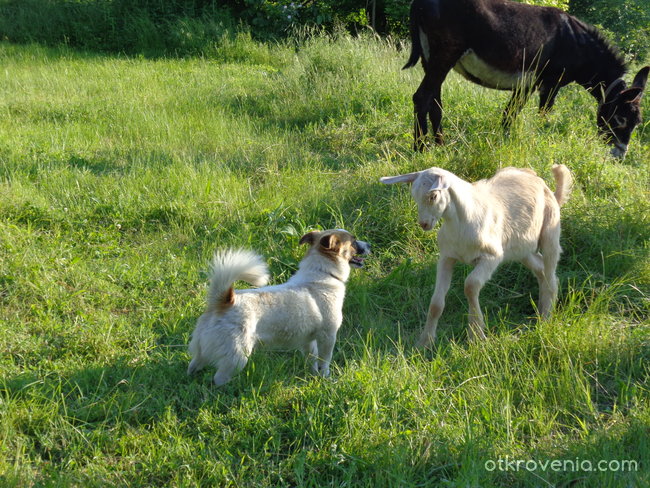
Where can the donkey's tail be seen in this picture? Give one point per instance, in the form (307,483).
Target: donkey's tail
(563,183)
(229,266)
(416,47)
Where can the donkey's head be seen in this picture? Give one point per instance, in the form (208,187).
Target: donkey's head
(620,112)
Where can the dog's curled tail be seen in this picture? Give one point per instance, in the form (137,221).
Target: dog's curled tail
(563,183)
(229,266)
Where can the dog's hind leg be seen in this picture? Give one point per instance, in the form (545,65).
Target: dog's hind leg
(311,355)
(196,364)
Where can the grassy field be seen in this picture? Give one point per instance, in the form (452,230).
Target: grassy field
(119,177)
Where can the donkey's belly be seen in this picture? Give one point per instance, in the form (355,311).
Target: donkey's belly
(478,71)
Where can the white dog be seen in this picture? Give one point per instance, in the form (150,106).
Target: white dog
(304,313)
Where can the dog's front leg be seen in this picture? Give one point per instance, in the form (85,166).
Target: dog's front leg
(325,345)
(228,367)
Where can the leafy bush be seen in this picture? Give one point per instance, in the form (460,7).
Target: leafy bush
(626,21)
(132,26)
(190,27)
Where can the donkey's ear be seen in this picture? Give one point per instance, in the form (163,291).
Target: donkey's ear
(638,86)
(631,95)
(613,90)
(641,78)
(407,178)
(308,238)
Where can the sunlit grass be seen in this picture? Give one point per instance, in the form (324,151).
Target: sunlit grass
(118,179)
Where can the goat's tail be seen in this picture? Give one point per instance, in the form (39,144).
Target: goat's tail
(416,47)
(563,183)
(229,266)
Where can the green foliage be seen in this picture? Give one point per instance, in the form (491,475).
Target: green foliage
(562,4)
(190,27)
(627,22)
(145,27)
(120,176)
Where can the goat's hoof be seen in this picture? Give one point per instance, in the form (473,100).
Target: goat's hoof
(425,342)
(477,337)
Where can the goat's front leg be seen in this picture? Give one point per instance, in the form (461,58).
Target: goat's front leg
(473,285)
(444,272)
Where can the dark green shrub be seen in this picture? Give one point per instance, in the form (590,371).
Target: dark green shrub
(189,27)
(627,22)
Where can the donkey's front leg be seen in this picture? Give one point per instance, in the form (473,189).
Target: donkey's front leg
(547,94)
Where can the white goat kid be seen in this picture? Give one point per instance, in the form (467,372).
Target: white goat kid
(512,216)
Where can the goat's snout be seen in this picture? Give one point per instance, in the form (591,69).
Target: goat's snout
(425,225)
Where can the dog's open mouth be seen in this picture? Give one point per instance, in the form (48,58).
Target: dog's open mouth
(357,261)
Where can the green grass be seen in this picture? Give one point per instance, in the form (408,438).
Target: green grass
(119,177)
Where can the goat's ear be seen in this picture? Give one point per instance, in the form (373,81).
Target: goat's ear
(440,182)
(432,195)
(308,238)
(407,178)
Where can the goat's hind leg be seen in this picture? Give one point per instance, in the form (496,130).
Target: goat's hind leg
(550,246)
(535,263)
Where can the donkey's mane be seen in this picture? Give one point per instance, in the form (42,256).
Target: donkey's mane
(615,55)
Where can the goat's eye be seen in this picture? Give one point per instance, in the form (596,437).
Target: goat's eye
(620,121)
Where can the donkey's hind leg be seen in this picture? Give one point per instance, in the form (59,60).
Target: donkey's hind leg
(422,102)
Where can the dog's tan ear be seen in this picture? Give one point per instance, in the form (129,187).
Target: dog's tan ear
(308,238)
(330,241)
